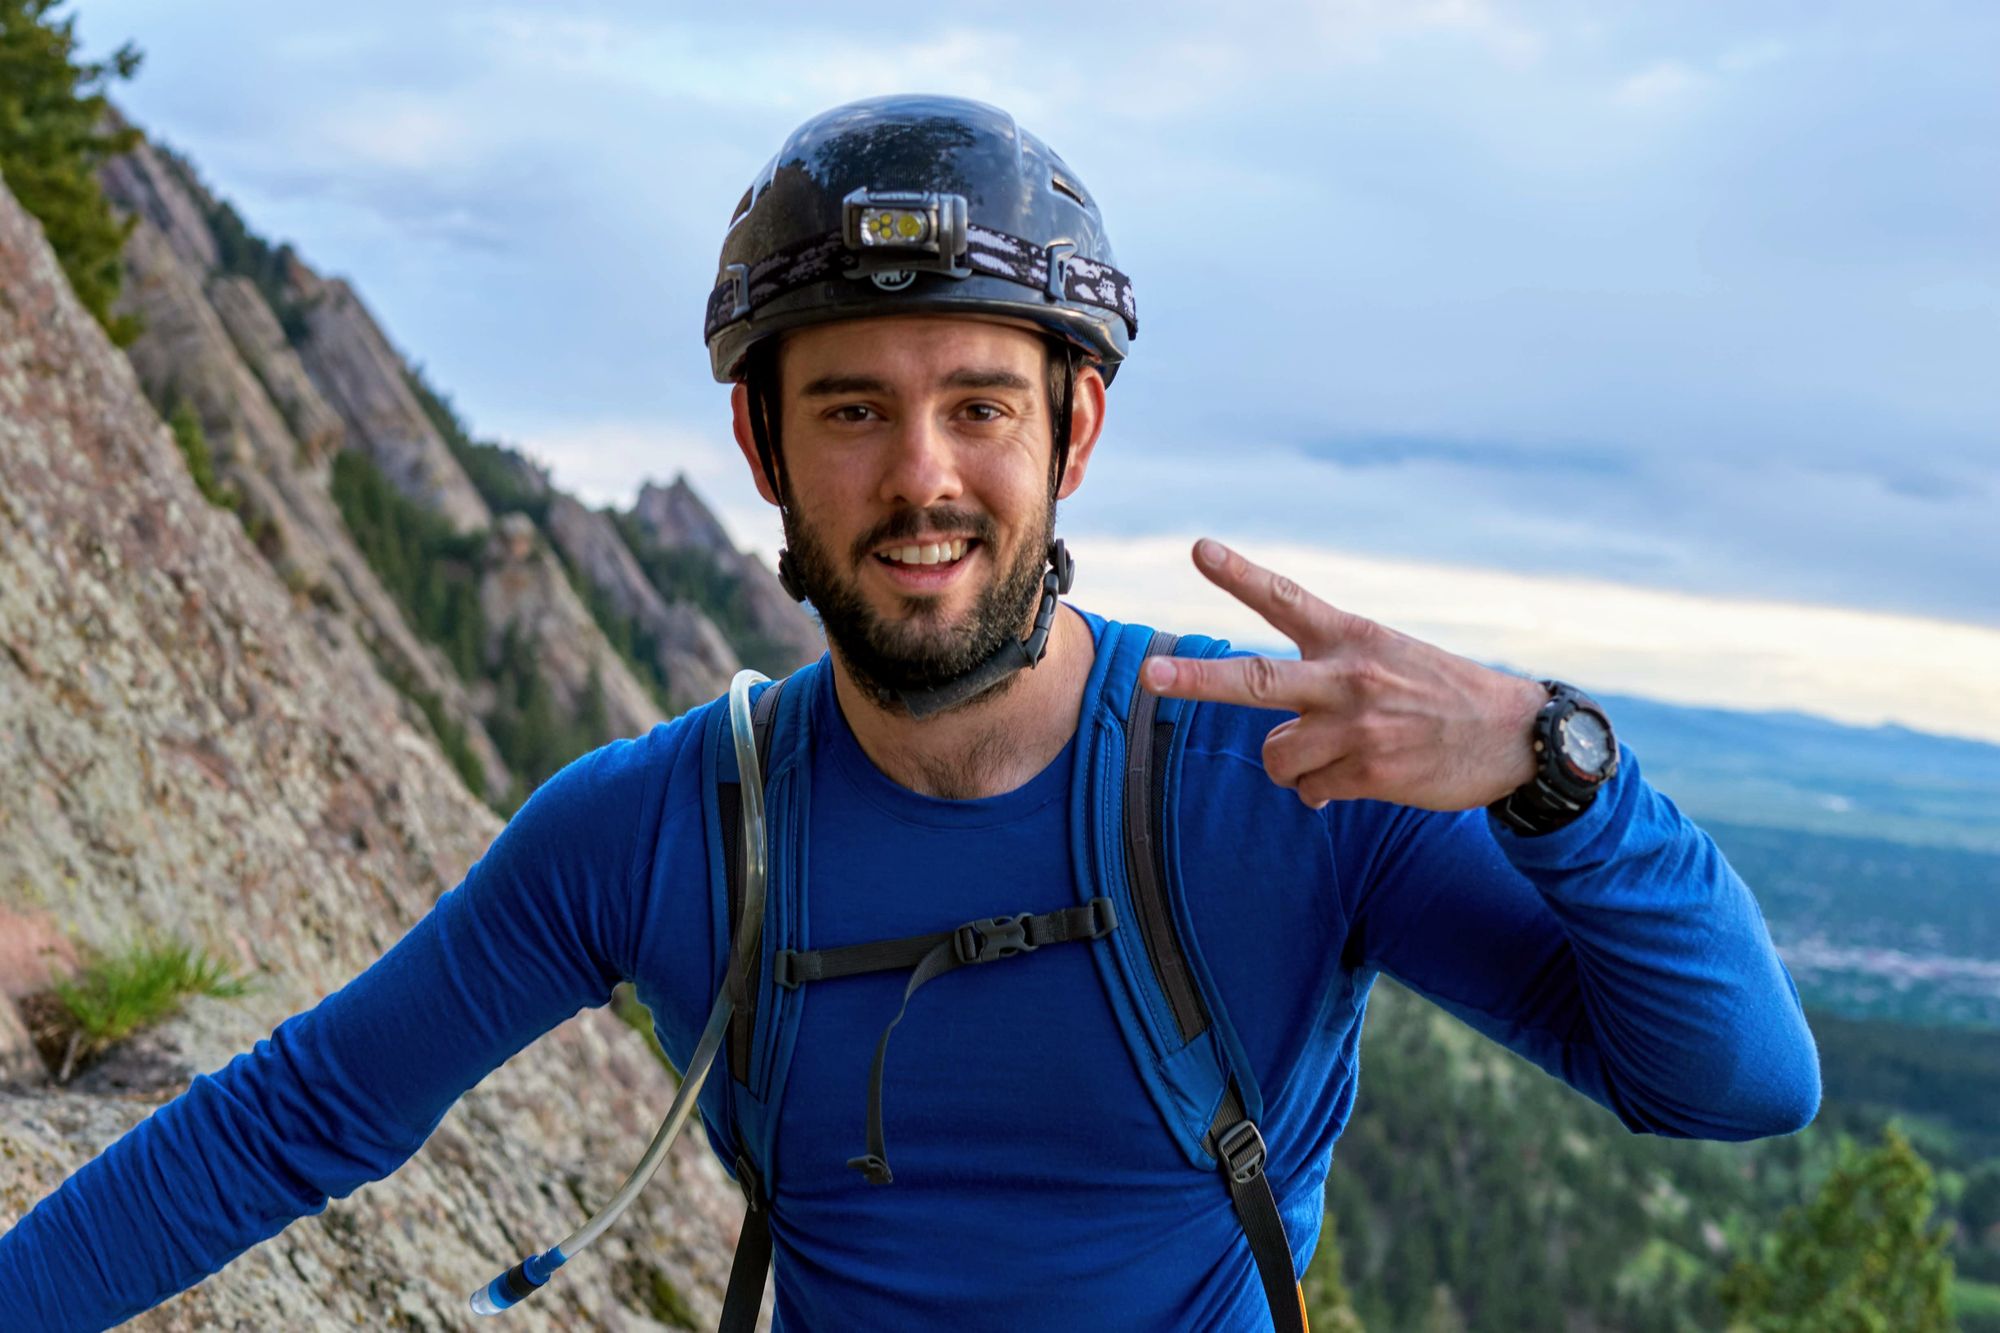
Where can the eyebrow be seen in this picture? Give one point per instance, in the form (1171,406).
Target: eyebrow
(831,386)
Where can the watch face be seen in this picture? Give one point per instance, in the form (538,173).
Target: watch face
(1586,744)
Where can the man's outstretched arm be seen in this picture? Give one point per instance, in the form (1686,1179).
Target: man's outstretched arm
(1621,952)
(345,1092)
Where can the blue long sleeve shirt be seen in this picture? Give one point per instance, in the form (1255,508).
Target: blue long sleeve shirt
(1036,1186)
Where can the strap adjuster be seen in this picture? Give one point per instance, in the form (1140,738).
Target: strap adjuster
(993,937)
(782,968)
(749,1182)
(1242,1152)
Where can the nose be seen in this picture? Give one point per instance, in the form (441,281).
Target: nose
(921,466)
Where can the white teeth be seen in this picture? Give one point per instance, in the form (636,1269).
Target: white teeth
(930,553)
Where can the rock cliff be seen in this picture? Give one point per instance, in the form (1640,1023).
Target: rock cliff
(525,590)
(360,374)
(675,519)
(181,748)
(690,651)
(211,342)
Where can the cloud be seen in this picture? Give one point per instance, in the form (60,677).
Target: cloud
(1366,451)
(1858,668)
(1665,83)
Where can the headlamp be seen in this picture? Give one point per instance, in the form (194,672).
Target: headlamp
(908,230)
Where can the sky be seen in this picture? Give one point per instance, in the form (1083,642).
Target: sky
(1651,345)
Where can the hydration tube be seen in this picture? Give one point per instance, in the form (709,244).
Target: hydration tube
(531,1274)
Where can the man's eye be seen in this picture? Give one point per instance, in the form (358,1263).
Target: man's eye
(851,412)
(983,411)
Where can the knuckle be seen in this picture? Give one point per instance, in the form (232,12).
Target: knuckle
(1360,629)
(1285,592)
(1367,677)
(1261,679)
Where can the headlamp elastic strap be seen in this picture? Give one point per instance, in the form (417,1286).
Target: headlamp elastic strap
(1055,272)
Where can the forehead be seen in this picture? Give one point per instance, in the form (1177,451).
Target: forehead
(909,347)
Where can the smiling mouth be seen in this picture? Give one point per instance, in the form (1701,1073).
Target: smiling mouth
(927,555)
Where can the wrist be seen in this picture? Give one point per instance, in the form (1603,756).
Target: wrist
(1572,753)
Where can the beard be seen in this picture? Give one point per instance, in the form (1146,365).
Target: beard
(920,650)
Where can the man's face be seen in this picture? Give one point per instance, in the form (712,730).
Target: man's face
(916,458)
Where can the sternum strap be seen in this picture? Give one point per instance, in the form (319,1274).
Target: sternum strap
(929,957)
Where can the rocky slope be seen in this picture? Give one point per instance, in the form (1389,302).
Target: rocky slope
(212,343)
(675,518)
(284,371)
(688,649)
(185,745)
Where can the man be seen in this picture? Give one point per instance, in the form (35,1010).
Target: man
(920,315)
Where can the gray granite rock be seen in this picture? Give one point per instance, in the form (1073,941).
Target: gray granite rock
(675,518)
(525,589)
(690,651)
(362,377)
(181,750)
(197,327)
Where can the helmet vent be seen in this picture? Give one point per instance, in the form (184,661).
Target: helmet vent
(742,207)
(1065,187)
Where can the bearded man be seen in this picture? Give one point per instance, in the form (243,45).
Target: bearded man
(1192,863)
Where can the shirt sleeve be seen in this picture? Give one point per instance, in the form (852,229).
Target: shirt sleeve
(345,1092)
(1620,953)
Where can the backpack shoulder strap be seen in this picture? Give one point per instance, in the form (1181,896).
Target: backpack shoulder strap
(1190,1059)
(729,1106)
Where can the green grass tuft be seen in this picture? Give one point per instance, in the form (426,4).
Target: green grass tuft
(117,994)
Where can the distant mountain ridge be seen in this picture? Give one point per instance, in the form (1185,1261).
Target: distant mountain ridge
(1796,771)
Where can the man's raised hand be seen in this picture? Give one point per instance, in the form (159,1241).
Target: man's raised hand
(1380,715)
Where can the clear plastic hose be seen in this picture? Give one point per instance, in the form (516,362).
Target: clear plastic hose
(527,1277)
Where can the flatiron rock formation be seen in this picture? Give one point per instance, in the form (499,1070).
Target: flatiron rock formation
(690,651)
(675,519)
(182,750)
(525,590)
(211,343)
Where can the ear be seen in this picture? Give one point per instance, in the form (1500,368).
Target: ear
(1086,423)
(739,411)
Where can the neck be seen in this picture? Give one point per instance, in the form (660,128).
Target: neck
(991,745)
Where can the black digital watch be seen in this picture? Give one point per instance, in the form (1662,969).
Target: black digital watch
(1575,754)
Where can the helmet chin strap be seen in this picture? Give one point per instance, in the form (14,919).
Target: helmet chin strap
(1011,656)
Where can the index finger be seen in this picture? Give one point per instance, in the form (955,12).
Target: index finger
(1256,682)
(1303,618)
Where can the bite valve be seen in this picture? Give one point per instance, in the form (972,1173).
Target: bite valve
(517,1283)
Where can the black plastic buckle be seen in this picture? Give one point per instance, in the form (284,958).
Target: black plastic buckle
(1242,1152)
(781,968)
(994,937)
(1103,917)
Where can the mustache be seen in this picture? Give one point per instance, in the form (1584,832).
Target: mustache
(906,525)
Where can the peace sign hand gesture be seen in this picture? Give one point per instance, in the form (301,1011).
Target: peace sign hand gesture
(1381,715)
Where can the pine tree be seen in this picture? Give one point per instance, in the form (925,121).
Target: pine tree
(1327,1302)
(56,127)
(1865,1256)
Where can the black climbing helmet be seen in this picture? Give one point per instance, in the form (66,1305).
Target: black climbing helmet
(917,203)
